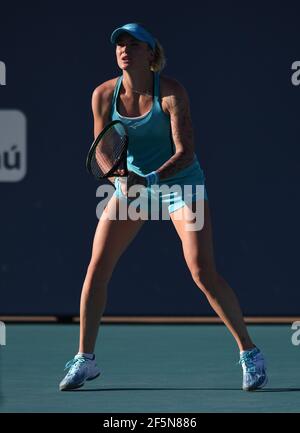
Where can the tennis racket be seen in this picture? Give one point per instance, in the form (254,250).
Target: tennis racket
(108,153)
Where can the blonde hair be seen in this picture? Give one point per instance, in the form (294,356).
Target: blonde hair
(159,61)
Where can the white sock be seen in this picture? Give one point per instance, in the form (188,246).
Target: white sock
(87,355)
(249,350)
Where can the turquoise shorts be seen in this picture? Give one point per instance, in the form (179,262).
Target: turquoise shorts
(185,187)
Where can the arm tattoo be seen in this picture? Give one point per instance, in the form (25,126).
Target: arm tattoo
(182,135)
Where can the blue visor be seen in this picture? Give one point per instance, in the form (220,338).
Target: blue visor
(136,31)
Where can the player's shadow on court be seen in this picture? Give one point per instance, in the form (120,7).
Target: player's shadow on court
(185,389)
(279,390)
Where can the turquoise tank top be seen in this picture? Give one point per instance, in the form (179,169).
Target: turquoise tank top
(150,139)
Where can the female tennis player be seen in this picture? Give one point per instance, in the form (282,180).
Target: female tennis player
(156,110)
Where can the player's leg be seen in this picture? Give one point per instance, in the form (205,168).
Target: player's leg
(199,255)
(112,237)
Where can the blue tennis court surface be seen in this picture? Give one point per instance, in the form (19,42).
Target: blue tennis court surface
(147,368)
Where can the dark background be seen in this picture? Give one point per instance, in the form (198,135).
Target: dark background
(235,61)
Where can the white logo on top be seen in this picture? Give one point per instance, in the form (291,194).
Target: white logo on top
(134,125)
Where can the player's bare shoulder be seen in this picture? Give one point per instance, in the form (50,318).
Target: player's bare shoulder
(172,91)
(106,88)
(102,95)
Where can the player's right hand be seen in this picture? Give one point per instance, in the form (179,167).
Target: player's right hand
(120,172)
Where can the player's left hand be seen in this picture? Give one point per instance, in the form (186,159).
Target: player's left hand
(130,180)
(135,179)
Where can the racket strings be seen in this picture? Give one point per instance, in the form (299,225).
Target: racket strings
(110,152)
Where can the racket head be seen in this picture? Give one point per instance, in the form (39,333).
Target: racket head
(108,152)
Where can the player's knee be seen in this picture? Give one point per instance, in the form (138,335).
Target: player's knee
(205,277)
(98,273)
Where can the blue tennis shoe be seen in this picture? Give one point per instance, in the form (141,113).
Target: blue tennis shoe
(80,370)
(254,369)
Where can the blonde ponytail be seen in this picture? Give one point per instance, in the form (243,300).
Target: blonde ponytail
(159,60)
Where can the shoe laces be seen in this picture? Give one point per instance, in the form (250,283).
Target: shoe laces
(74,364)
(247,359)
